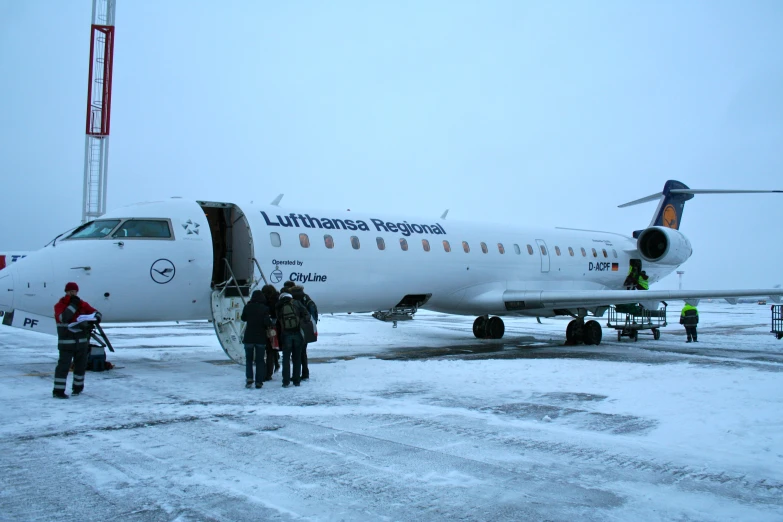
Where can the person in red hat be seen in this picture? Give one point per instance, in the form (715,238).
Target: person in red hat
(73,340)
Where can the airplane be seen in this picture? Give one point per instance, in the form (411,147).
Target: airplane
(6,258)
(179,260)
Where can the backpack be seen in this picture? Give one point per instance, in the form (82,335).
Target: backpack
(288,316)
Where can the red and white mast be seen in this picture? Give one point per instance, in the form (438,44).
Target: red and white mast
(96,146)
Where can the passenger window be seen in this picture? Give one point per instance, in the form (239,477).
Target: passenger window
(381,243)
(95,229)
(328,241)
(605,254)
(571,251)
(584,254)
(304,240)
(595,254)
(446,246)
(144,228)
(465,247)
(614,253)
(530,250)
(516,249)
(426,245)
(355,242)
(557,250)
(543,250)
(501,249)
(403,244)
(274,237)
(484,247)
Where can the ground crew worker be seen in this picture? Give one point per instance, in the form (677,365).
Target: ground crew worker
(689,317)
(641,282)
(632,279)
(73,342)
(290,316)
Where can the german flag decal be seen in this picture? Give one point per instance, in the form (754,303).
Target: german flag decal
(615,267)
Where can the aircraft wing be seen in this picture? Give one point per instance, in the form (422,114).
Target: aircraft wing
(550,299)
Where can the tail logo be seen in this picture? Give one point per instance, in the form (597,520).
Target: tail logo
(670,217)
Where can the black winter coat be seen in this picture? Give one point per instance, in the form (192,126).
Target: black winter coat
(256,315)
(271,303)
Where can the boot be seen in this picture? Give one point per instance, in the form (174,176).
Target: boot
(59,394)
(249,384)
(77,390)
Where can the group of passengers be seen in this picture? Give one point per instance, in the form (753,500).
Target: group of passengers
(278,321)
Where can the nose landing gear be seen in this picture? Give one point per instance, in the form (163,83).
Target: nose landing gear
(485,327)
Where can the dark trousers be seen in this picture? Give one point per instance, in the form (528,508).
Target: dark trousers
(305,369)
(254,352)
(291,344)
(691,331)
(78,354)
(271,359)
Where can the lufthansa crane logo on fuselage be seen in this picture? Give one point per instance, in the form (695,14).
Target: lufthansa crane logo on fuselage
(162,271)
(276,276)
(670,217)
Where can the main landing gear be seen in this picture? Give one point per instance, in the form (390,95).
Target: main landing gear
(579,331)
(485,327)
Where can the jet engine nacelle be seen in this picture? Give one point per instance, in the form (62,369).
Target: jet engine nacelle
(664,246)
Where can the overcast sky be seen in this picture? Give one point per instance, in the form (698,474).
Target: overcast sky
(539,113)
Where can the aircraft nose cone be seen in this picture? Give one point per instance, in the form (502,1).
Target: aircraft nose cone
(6,290)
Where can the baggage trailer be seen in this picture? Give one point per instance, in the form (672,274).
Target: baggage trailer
(777,321)
(629,319)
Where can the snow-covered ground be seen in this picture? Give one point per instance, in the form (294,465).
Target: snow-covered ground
(421,422)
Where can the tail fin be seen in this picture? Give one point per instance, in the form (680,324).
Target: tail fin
(669,212)
(672,202)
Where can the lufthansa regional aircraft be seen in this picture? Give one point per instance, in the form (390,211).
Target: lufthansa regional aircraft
(188,260)
(6,258)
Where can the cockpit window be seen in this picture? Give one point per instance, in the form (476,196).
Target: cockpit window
(144,228)
(95,229)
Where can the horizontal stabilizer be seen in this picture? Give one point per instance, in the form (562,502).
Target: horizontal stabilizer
(659,195)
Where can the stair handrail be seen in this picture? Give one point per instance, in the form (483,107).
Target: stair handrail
(230,280)
(260,270)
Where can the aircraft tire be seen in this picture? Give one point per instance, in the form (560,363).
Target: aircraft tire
(592,333)
(480,327)
(495,328)
(573,332)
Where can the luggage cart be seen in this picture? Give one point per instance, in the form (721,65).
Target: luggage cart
(629,319)
(777,321)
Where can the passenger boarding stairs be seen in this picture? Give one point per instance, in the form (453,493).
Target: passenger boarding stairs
(228,300)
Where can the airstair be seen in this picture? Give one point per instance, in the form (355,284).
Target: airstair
(228,300)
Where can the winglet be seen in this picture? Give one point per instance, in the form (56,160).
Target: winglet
(276,201)
(443,216)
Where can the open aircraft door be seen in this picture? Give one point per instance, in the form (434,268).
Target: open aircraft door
(235,275)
